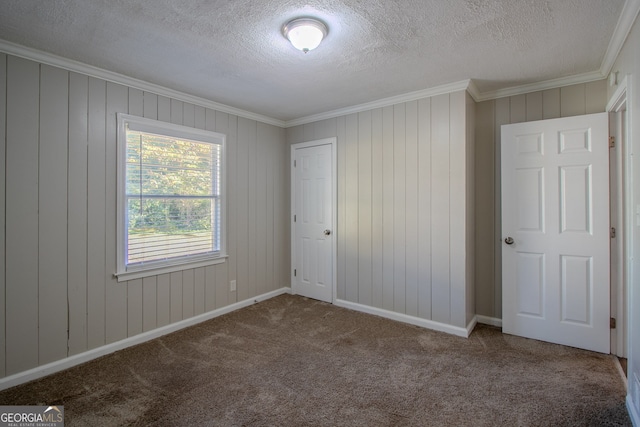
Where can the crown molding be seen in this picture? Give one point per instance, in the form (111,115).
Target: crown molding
(623,27)
(534,87)
(89,70)
(385,102)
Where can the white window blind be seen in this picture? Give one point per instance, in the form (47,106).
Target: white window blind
(172,198)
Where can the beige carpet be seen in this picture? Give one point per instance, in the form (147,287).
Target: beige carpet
(291,361)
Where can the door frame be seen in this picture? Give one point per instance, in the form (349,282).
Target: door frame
(333,142)
(618,107)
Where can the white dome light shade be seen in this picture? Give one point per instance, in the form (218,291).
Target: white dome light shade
(305,34)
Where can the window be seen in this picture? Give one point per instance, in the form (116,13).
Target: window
(170,197)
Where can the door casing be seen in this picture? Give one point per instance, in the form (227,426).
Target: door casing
(333,142)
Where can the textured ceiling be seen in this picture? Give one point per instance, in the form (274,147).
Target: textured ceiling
(233,52)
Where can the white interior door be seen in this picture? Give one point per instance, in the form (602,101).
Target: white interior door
(312,228)
(555,230)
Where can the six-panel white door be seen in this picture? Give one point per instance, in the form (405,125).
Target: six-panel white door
(555,231)
(312,228)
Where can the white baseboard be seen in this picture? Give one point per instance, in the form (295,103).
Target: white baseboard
(633,412)
(492,321)
(417,321)
(59,365)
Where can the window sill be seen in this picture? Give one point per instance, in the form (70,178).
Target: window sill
(155,271)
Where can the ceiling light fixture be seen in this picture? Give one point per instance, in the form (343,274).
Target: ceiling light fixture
(305,34)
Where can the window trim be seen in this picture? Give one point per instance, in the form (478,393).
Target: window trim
(125,272)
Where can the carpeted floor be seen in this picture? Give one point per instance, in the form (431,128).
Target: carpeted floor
(291,361)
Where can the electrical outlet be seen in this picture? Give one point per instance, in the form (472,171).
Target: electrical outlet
(232,286)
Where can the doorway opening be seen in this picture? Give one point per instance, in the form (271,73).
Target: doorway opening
(620,216)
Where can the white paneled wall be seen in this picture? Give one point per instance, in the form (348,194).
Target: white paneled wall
(58,203)
(405,206)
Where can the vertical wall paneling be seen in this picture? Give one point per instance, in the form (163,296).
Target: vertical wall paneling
(572,100)
(534,106)
(96,209)
(440,214)
(150,106)
(135,315)
(188,293)
(518,106)
(198,291)
(176,296)
(364,209)
(485,209)
(270,151)
(122,299)
(210,119)
(411,206)
(3,145)
(550,104)
(377,164)
(351,183)
(188,115)
(470,239)
(59,210)
(457,208)
(52,218)
(150,303)
(325,129)
(163,297)
(308,130)
(77,213)
(136,101)
(232,136)
(250,288)
(282,214)
(595,96)
(164,109)
(177,111)
(388,208)
(222,296)
(400,208)
(260,244)
(21,228)
(341,133)
(227,125)
(209,288)
(424,208)
(242,214)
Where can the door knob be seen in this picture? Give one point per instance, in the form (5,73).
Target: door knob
(509,241)
(327,232)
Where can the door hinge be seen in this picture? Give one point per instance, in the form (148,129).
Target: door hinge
(295,272)
(613,232)
(612,323)
(294,164)
(294,218)
(612,142)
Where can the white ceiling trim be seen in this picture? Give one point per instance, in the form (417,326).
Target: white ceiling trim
(385,102)
(628,16)
(91,71)
(535,87)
